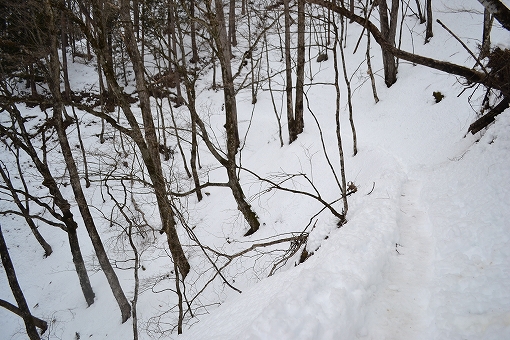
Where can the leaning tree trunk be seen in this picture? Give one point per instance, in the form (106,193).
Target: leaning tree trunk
(221,41)
(149,148)
(193,33)
(54,84)
(488,19)
(39,323)
(16,289)
(26,213)
(59,201)
(232,23)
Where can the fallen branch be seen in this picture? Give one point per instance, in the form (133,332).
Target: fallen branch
(489,117)
(41,324)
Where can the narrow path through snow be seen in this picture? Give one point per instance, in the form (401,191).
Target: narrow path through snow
(400,307)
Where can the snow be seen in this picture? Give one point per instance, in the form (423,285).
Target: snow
(424,255)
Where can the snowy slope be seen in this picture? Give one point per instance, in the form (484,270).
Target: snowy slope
(424,255)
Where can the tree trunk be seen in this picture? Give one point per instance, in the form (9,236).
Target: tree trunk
(149,148)
(26,214)
(74,177)
(232,23)
(223,48)
(79,264)
(489,117)
(16,290)
(499,10)
(65,71)
(388,31)
(291,123)
(300,68)
(428,30)
(61,203)
(420,13)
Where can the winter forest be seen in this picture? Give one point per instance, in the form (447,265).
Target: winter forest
(254,169)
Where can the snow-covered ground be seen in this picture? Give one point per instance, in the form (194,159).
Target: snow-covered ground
(424,255)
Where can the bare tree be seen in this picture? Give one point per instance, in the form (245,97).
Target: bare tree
(24,209)
(291,121)
(54,83)
(389,31)
(428,31)
(300,68)
(16,290)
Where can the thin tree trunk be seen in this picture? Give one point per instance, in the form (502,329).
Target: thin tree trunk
(26,214)
(193,33)
(288,75)
(16,290)
(74,177)
(223,48)
(65,70)
(388,31)
(488,19)
(370,72)
(269,77)
(349,92)
(500,11)
(61,203)
(420,13)
(149,148)
(193,160)
(232,23)
(174,56)
(338,134)
(428,31)
(300,68)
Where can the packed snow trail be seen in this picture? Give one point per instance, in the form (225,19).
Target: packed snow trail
(400,305)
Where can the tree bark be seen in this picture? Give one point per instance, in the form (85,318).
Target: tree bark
(26,214)
(499,10)
(488,19)
(58,199)
(420,13)
(300,68)
(232,23)
(428,31)
(223,49)
(291,123)
(16,290)
(193,33)
(388,31)
(74,177)
(149,148)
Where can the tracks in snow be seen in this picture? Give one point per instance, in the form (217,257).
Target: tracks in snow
(400,307)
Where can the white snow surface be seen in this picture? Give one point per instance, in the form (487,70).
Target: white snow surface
(425,253)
